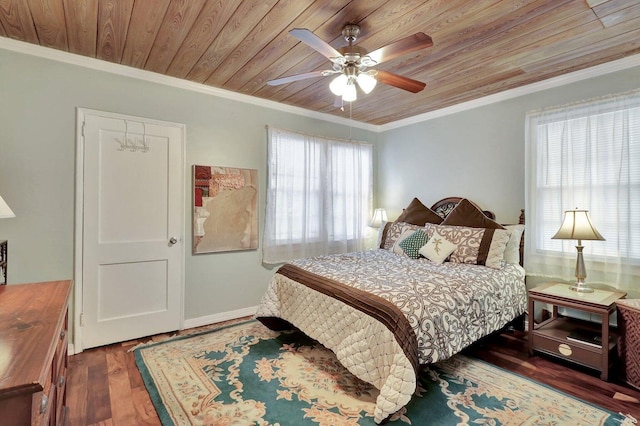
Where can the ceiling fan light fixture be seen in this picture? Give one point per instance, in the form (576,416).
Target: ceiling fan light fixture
(366,82)
(351,62)
(350,94)
(339,85)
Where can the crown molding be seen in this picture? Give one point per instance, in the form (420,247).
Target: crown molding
(126,71)
(561,80)
(123,70)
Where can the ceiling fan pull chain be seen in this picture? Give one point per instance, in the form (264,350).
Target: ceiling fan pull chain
(350,124)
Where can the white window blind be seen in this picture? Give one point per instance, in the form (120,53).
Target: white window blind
(586,156)
(319,194)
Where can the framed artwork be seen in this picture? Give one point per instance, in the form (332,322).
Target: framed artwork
(225,209)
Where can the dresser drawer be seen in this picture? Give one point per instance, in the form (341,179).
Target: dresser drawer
(60,357)
(61,387)
(60,380)
(63,338)
(44,402)
(60,375)
(562,348)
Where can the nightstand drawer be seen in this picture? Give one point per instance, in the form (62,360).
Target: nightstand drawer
(568,350)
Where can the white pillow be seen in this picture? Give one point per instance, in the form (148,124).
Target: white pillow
(437,248)
(380,234)
(512,251)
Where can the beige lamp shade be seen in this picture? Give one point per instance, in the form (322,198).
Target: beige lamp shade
(5,211)
(577,226)
(379,217)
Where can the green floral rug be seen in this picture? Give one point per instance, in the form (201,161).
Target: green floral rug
(246,374)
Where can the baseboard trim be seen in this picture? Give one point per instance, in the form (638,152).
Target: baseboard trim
(223,316)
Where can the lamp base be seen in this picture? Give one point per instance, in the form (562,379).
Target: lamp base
(581,288)
(581,273)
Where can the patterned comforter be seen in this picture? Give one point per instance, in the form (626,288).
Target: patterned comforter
(383,314)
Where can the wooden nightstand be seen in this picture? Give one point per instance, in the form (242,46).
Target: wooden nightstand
(552,336)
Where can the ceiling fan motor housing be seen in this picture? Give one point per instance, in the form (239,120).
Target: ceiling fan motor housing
(352,53)
(351,32)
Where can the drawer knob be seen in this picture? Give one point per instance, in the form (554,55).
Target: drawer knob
(43,404)
(62,334)
(61,381)
(565,349)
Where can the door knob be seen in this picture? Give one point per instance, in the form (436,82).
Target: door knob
(172,241)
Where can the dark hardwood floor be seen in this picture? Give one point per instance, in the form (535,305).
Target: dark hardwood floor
(509,350)
(105,387)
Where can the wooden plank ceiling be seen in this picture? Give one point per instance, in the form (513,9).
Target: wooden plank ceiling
(480,47)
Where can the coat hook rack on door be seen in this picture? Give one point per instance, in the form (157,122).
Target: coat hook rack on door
(134,144)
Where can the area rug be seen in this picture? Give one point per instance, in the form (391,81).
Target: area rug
(246,374)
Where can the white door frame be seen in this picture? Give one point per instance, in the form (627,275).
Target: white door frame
(78,345)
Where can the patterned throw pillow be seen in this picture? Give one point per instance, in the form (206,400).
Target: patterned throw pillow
(415,213)
(413,243)
(382,233)
(394,232)
(437,249)
(477,246)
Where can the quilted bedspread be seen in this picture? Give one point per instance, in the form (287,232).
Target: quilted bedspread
(383,314)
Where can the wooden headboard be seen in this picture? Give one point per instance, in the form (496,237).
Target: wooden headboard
(444,207)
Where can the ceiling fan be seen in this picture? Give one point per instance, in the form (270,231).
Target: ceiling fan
(351,63)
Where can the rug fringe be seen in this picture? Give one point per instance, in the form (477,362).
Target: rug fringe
(628,420)
(193,332)
(150,342)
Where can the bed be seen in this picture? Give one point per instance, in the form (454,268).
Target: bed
(385,312)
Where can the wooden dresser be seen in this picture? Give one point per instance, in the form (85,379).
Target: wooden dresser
(33,353)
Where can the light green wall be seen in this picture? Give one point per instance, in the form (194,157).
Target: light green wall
(37,167)
(478,153)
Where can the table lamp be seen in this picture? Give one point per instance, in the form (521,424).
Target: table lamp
(577,226)
(5,211)
(379,217)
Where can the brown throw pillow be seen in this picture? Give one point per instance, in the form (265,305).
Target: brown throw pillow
(466,214)
(417,213)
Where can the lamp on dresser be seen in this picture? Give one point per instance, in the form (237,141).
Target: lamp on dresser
(577,226)
(5,212)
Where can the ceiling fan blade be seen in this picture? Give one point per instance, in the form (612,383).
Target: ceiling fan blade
(399,81)
(401,47)
(296,77)
(309,38)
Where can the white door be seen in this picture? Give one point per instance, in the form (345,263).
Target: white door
(133,219)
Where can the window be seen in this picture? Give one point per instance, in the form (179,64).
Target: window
(585,156)
(318,196)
